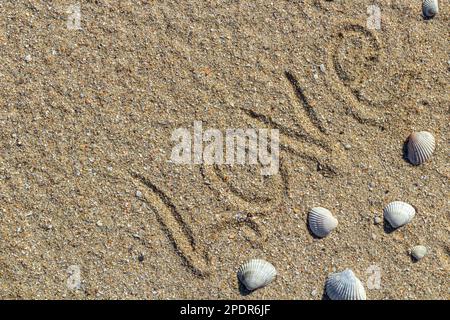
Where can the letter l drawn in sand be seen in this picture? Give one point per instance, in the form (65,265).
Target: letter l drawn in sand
(173,225)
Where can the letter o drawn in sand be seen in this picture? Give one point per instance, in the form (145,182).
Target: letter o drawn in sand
(245,189)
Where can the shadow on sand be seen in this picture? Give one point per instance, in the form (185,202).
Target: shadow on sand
(242,289)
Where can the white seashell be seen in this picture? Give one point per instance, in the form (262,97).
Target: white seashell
(418,252)
(321,221)
(399,213)
(421,146)
(430,8)
(256,273)
(344,286)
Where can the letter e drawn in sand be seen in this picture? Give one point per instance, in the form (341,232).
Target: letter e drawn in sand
(176,229)
(363,78)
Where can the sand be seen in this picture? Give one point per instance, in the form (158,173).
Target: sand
(86,121)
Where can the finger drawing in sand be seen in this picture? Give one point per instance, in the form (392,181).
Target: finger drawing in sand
(251,151)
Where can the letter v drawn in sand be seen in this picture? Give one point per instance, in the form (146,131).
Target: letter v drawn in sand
(310,144)
(179,233)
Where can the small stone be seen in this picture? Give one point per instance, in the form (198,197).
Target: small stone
(141,257)
(99,223)
(418,252)
(314,293)
(241,216)
(28,58)
(322,68)
(377,220)
(347,146)
(138,194)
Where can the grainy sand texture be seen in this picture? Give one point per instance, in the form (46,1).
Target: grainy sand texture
(91,207)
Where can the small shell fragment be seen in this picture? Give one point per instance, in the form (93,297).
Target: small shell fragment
(418,252)
(344,286)
(399,213)
(377,220)
(421,146)
(321,221)
(430,8)
(256,273)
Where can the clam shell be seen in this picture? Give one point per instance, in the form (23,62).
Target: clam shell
(430,8)
(418,252)
(321,221)
(399,213)
(421,146)
(344,286)
(256,273)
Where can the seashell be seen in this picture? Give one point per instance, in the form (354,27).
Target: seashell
(321,221)
(256,273)
(344,286)
(420,147)
(430,8)
(399,213)
(418,252)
